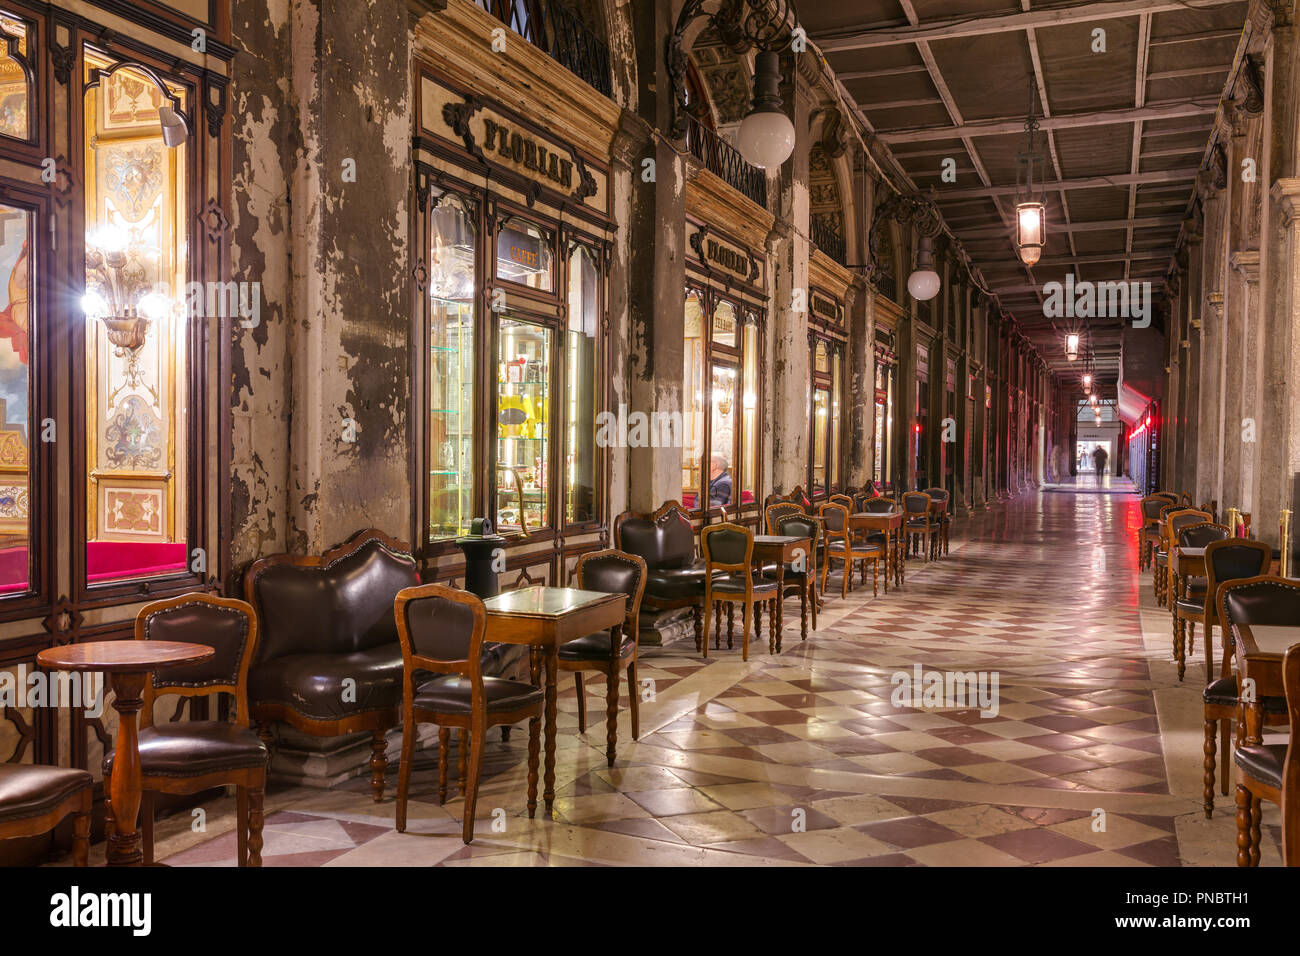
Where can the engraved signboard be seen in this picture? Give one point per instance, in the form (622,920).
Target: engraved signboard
(721,256)
(493,136)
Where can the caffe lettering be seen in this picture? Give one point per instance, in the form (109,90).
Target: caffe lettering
(527,153)
(730,259)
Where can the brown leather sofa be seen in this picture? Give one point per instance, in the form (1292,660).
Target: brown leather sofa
(326,620)
(665,540)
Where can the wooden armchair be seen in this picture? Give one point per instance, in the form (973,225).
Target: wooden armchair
(613,572)
(191,756)
(440,630)
(34,799)
(841,546)
(729,558)
(1231,559)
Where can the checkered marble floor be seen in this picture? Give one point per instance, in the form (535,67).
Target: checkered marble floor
(1088,755)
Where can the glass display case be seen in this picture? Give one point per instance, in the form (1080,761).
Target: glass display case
(580,388)
(523,425)
(452,288)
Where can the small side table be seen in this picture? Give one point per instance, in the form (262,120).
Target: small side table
(128,664)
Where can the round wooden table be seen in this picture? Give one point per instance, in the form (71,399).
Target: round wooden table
(127,664)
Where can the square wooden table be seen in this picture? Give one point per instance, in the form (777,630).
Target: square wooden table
(1259,651)
(545,618)
(890,524)
(783,549)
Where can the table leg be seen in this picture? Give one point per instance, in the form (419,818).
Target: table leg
(889,558)
(548,778)
(124,844)
(777,621)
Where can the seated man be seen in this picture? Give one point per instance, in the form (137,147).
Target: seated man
(719,482)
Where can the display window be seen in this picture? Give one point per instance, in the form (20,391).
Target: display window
(512,379)
(721,397)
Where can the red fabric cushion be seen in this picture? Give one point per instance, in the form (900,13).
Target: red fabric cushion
(107,560)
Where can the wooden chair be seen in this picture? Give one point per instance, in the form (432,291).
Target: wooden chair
(34,799)
(776,511)
(843,501)
(1272,772)
(1189,607)
(1231,559)
(841,546)
(192,756)
(918,524)
(441,632)
(674,575)
(804,581)
(613,572)
(944,520)
(729,548)
(1173,522)
(1149,532)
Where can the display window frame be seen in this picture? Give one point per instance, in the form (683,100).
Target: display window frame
(199,342)
(34,148)
(498,298)
(734,357)
(826,330)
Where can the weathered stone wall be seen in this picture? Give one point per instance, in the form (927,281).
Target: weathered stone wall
(320,216)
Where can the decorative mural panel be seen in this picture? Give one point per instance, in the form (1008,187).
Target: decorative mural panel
(134,511)
(136,323)
(15,388)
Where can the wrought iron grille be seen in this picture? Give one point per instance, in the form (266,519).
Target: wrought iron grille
(829,240)
(724,161)
(561,33)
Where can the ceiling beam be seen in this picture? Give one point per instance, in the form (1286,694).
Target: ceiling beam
(1122,256)
(1096,225)
(1094,182)
(870,36)
(1171,109)
(847,75)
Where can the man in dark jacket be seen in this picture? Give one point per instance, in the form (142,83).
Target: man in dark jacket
(719,482)
(1099,458)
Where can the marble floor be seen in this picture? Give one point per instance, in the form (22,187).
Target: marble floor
(1085,750)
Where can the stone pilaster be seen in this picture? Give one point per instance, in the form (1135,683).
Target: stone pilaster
(1241,388)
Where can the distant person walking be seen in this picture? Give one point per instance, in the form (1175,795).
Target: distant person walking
(1099,458)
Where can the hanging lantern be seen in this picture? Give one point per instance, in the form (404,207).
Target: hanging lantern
(1072,346)
(1031,229)
(1087,383)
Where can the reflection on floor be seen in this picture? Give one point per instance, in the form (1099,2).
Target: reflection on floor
(1093,757)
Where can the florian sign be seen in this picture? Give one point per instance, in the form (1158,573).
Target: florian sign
(720,255)
(826,308)
(532,160)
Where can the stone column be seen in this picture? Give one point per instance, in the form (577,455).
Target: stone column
(859,383)
(789,247)
(1240,441)
(350,193)
(655,263)
(1279,358)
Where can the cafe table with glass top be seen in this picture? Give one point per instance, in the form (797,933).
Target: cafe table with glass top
(545,618)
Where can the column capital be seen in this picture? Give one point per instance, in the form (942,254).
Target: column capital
(1246,261)
(1214,301)
(1286,193)
(630,140)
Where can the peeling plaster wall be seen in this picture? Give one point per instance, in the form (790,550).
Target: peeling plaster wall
(264,125)
(319,83)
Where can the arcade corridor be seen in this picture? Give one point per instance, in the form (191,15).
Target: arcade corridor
(1043,590)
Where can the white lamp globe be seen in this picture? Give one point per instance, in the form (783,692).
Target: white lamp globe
(766,139)
(923,284)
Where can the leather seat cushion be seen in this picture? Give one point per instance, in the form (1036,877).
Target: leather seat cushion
(1162,557)
(736,585)
(196,747)
(30,790)
(673,584)
(593,647)
(1197,583)
(452,693)
(861,549)
(1192,605)
(1262,761)
(1223,692)
(312,684)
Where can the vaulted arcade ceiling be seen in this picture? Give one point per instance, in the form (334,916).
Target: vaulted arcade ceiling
(1126,117)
